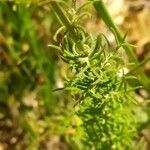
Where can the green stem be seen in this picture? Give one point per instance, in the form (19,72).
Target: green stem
(61,14)
(102,11)
(137,67)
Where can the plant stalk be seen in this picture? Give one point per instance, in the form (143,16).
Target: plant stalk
(104,14)
(61,14)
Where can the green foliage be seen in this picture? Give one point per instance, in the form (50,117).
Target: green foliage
(102,11)
(98,85)
(34,111)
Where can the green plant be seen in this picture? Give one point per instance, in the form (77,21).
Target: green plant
(99,84)
(102,11)
(34,113)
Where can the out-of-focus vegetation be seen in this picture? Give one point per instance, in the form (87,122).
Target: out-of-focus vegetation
(29,113)
(32,115)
